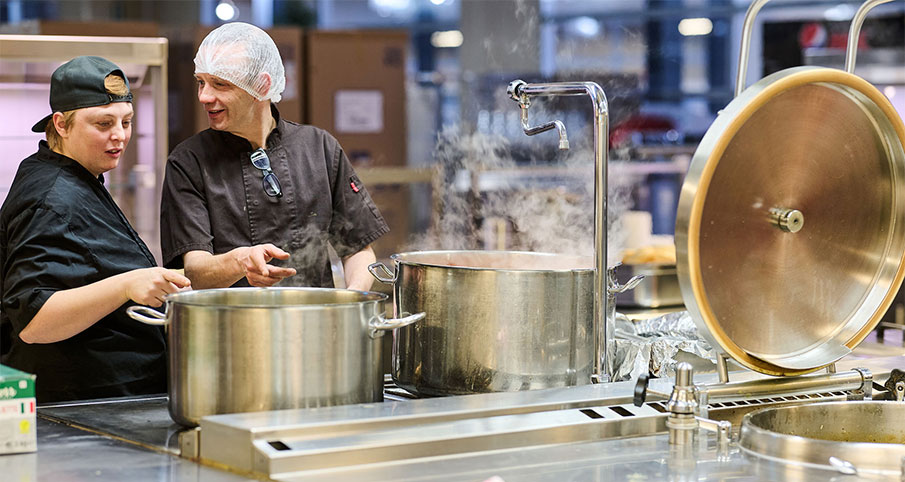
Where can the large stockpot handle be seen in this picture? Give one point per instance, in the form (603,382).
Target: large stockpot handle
(379,324)
(373,267)
(617,288)
(613,286)
(147,315)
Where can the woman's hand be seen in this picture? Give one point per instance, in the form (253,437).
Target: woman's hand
(149,286)
(69,312)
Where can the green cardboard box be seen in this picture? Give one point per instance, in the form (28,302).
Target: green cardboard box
(17,411)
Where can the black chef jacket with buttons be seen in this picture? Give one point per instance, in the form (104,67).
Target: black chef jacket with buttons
(214,200)
(60,229)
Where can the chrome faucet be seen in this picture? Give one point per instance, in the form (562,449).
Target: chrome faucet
(524,103)
(520,91)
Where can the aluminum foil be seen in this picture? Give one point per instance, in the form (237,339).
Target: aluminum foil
(675,325)
(654,345)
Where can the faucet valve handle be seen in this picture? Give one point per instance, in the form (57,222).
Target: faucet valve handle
(640,395)
(515,90)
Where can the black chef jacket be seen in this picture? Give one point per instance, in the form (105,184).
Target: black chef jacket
(214,201)
(60,229)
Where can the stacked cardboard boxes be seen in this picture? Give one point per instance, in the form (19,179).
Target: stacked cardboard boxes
(355,82)
(356,90)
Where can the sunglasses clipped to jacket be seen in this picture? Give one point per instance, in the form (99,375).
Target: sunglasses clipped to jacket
(271,184)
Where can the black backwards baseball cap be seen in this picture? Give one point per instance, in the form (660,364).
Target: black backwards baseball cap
(79,83)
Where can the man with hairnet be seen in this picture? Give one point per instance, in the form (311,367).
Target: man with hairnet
(256,199)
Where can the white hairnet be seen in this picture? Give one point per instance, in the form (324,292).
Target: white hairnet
(241,53)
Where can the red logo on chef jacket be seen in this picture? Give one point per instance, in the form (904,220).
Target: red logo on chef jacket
(354,185)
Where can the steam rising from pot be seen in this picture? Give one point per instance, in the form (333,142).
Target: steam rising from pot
(488,200)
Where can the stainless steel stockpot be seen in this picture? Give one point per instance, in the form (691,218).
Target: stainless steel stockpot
(251,349)
(866,438)
(495,321)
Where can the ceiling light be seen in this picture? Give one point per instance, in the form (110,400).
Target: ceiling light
(396,5)
(839,13)
(890,91)
(586,26)
(695,26)
(447,39)
(226,10)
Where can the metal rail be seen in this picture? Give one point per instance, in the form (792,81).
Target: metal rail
(843,381)
(688,405)
(745,47)
(851,52)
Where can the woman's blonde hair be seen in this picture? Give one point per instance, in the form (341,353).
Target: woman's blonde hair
(114,84)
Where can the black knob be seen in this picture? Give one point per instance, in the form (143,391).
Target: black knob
(895,376)
(641,389)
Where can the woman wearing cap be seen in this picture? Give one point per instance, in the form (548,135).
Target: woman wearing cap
(70,262)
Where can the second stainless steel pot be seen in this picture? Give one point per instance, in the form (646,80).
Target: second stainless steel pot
(252,349)
(495,321)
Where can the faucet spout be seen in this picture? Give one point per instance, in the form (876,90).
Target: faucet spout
(532,130)
(516,91)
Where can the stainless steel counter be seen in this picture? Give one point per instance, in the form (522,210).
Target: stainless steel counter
(71,454)
(67,453)
(143,421)
(648,458)
(135,440)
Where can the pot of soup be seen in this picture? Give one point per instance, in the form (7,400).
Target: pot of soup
(494,321)
(253,349)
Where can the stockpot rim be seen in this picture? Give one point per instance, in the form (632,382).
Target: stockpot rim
(396,258)
(185,298)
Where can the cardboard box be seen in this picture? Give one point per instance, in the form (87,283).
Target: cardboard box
(290,43)
(17,411)
(356,91)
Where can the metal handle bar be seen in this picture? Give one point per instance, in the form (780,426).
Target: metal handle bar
(373,267)
(147,315)
(851,51)
(854,32)
(379,324)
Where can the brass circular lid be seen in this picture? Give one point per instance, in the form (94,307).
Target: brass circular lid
(790,232)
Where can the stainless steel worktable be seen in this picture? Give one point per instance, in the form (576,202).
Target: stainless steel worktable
(67,453)
(74,454)
(135,440)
